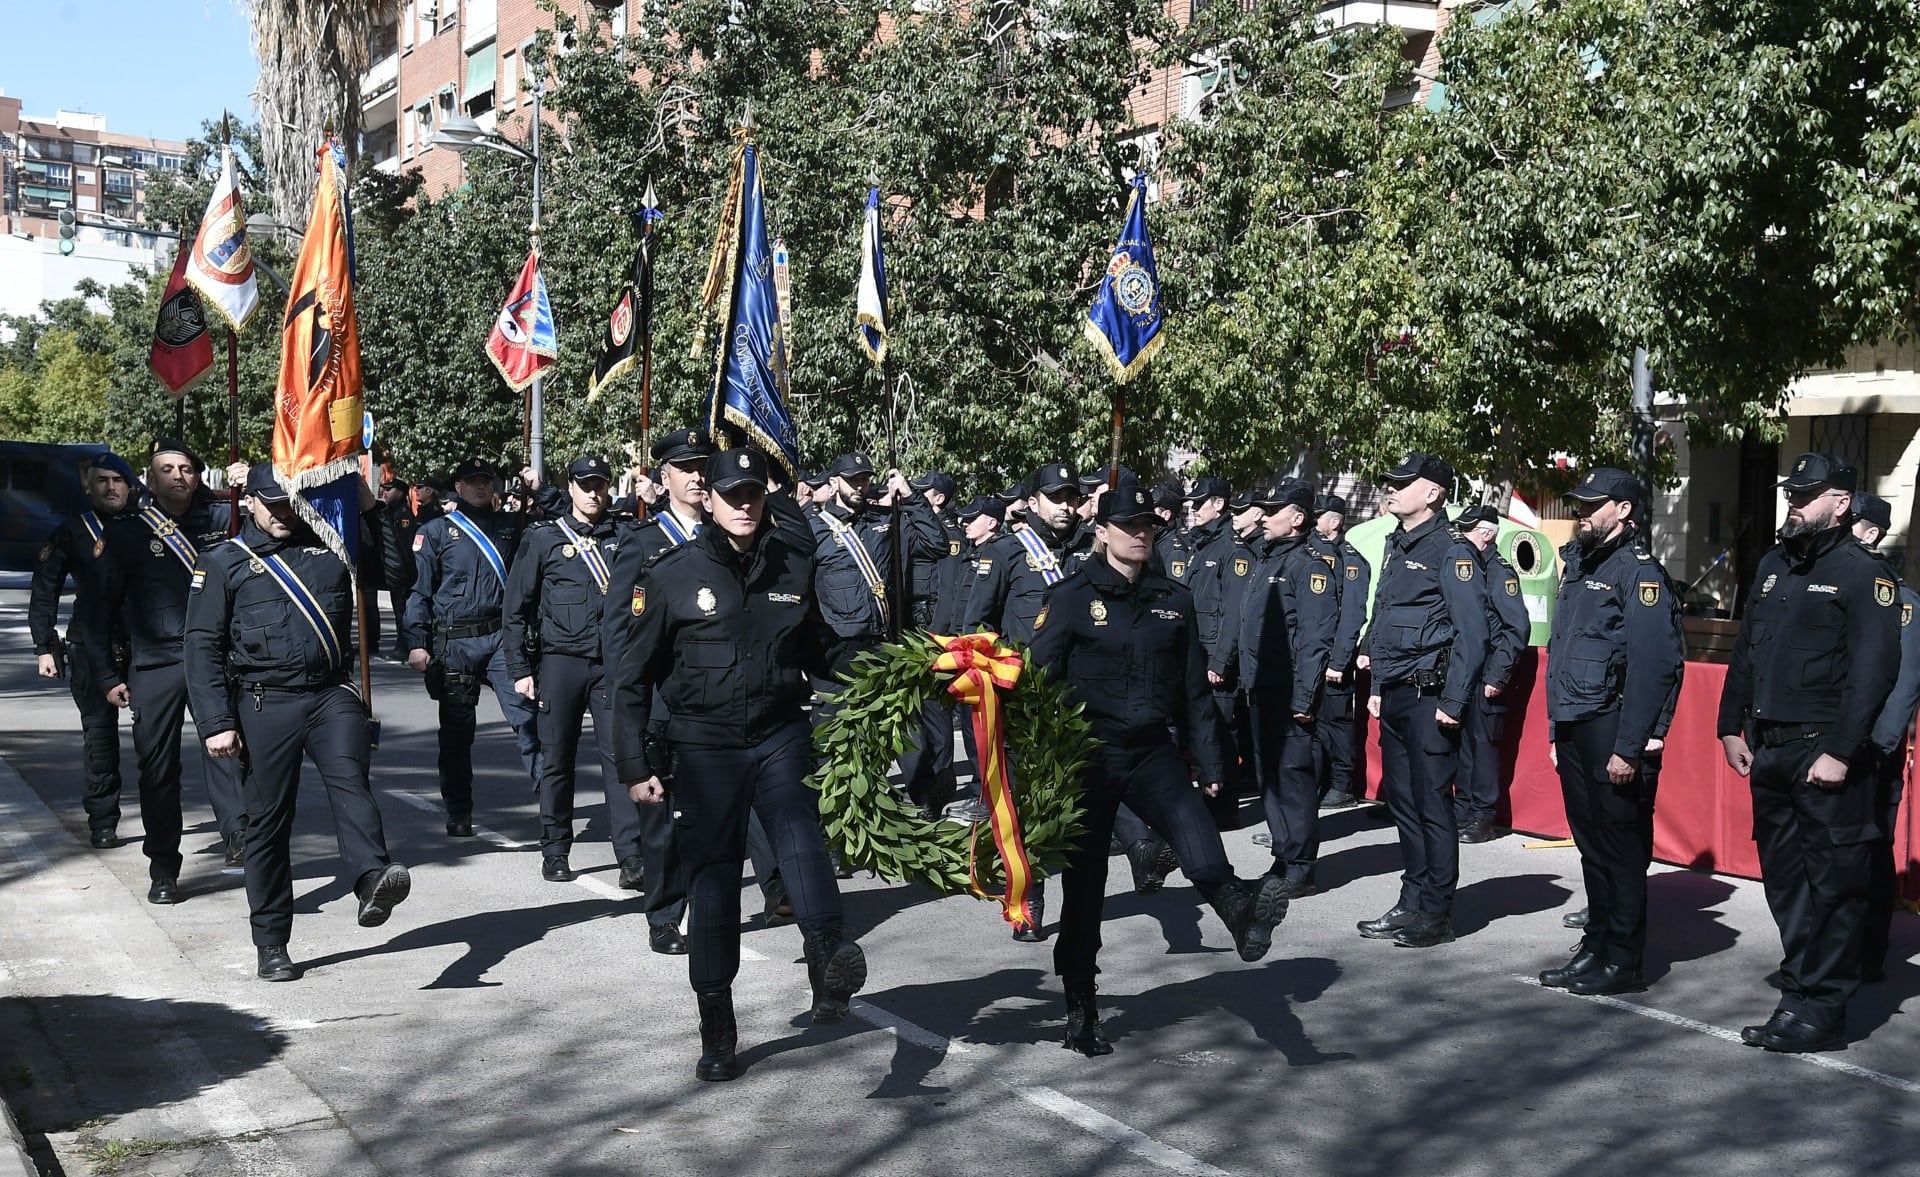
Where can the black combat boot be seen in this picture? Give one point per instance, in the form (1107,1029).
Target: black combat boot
(1037,905)
(836,968)
(718,1037)
(1251,910)
(1083,1021)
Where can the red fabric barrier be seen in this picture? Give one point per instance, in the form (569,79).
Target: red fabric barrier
(1703,817)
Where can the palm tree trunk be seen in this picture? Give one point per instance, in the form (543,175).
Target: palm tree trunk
(311,54)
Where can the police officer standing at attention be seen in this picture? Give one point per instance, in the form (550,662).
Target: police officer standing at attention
(452,631)
(1180,548)
(1425,645)
(74,547)
(552,617)
(1287,624)
(268,651)
(1817,656)
(1476,790)
(1333,731)
(1613,665)
(1122,637)
(728,630)
(144,573)
(1872,518)
(854,550)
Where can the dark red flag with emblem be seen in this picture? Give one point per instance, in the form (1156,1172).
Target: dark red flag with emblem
(182,351)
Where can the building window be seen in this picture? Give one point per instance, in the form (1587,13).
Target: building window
(483,69)
(509,80)
(1846,436)
(84,176)
(85,204)
(445,100)
(419,128)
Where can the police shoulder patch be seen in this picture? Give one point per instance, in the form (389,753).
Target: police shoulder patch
(1239,567)
(1906,616)
(1463,569)
(953,547)
(46,553)
(199,579)
(1317,582)
(986,565)
(1513,587)
(1353,572)
(419,540)
(639,600)
(1040,619)
(1179,569)
(1649,592)
(1883,592)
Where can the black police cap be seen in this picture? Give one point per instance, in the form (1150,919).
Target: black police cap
(1051,479)
(589,466)
(816,479)
(1874,509)
(1333,503)
(1419,465)
(1605,482)
(935,480)
(739,467)
(682,445)
(1477,515)
(108,460)
(1289,492)
(473,468)
(983,505)
(1166,496)
(173,445)
(850,466)
(262,485)
(1208,488)
(1125,503)
(1243,499)
(1814,470)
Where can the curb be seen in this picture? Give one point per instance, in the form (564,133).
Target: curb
(15,1161)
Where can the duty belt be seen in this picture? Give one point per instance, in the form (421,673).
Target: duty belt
(1779,735)
(478,628)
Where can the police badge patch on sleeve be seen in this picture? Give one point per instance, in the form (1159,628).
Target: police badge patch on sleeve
(46,553)
(639,600)
(1239,567)
(1318,583)
(1463,569)
(1649,592)
(199,578)
(1513,587)
(1883,592)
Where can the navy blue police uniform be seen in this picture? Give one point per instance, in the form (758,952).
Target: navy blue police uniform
(461,563)
(1889,739)
(1128,650)
(1219,587)
(1426,642)
(551,622)
(1476,791)
(268,652)
(1333,735)
(1817,657)
(145,572)
(728,638)
(75,549)
(1615,661)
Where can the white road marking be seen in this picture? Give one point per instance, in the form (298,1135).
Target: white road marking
(1066,1107)
(1733,1036)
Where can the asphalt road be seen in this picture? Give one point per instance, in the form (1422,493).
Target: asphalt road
(502,1024)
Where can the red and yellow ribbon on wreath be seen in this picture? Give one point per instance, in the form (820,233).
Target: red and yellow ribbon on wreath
(980,664)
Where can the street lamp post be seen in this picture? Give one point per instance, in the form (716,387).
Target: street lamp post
(460,135)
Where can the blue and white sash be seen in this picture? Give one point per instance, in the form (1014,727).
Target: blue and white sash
(588,550)
(1040,556)
(91,522)
(481,541)
(168,532)
(304,602)
(863,559)
(676,534)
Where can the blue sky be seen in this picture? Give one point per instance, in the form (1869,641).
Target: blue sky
(153,67)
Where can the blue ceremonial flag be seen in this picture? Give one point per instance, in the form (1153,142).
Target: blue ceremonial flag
(870,307)
(750,373)
(1124,323)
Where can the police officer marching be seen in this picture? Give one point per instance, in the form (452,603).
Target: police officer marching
(145,571)
(1613,668)
(1817,658)
(1333,731)
(728,630)
(1476,788)
(1279,658)
(268,650)
(551,626)
(1872,519)
(1425,646)
(1123,638)
(452,631)
(73,549)
(679,514)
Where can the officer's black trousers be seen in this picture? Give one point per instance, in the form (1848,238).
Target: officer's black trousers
(398,599)
(713,789)
(328,727)
(1418,758)
(159,705)
(1283,761)
(1816,858)
(1225,805)
(1890,782)
(569,688)
(99,744)
(480,657)
(1476,788)
(1156,781)
(1333,739)
(1613,829)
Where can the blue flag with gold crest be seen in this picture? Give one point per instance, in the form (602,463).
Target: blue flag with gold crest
(1124,324)
(750,373)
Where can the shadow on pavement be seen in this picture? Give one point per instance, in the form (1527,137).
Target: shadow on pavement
(489,937)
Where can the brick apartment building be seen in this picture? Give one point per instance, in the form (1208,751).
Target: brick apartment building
(73,161)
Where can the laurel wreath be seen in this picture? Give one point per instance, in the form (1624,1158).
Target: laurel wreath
(876,827)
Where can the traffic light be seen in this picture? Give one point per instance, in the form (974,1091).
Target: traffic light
(69,224)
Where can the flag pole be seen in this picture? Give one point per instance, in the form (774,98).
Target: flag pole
(898,572)
(646,330)
(1119,413)
(233,374)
